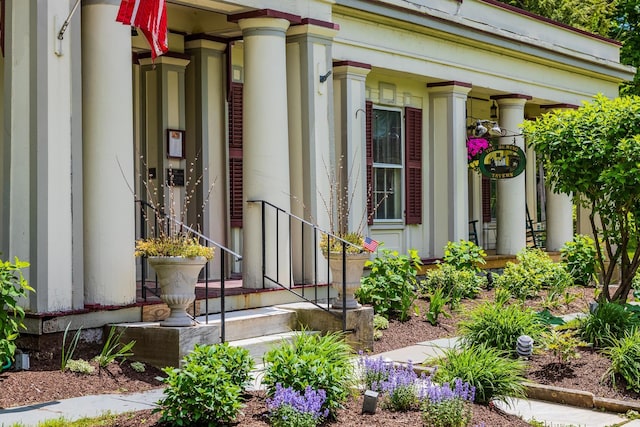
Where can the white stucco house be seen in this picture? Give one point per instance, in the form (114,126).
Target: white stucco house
(270,95)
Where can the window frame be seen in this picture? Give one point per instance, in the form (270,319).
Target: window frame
(401,167)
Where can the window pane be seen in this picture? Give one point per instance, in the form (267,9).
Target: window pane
(386,193)
(387,139)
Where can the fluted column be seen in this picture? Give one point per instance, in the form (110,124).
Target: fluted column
(511,200)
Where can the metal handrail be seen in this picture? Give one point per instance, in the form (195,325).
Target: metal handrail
(316,230)
(207,242)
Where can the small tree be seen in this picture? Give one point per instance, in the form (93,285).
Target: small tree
(594,153)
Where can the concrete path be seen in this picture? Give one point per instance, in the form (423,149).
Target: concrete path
(79,407)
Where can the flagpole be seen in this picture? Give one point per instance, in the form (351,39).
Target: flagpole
(66,22)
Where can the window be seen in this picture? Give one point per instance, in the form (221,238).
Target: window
(387,164)
(388,156)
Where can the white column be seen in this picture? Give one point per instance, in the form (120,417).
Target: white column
(350,134)
(205,115)
(449,171)
(266,150)
(511,198)
(108,155)
(559,210)
(530,178)
(310,138)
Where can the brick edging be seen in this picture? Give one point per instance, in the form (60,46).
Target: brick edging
(579,398)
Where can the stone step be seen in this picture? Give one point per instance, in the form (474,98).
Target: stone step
(258,346)
(254,323)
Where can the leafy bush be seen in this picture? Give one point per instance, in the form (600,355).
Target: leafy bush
(464,255)
(579,258)
(493,375)
(291,408)
(208,388)
(534,271)
(455,283)
(13,286)
(609,321)
(446,407)
(319,362)
(390,286)
(113,349)
(625,360)
(499,326)
(563,345)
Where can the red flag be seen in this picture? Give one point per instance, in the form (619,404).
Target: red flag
(150,16)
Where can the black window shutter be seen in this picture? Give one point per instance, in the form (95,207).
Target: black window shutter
(369,154)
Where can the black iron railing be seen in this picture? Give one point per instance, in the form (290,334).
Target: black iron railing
(166,222)
(307,231)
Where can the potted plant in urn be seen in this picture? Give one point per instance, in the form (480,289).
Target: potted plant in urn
(346,251)
(174,252)
(177,259)
(347,256)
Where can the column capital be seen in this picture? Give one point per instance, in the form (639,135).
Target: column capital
(450,87)
(512,99)
(342,69)
(177,59)
(315,27)
(264,14)
(205,41)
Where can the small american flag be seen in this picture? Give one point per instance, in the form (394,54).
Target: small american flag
(370,244)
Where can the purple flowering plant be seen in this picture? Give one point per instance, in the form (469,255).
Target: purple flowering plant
(400,391)
(444,406)
(288,407)
(374,371)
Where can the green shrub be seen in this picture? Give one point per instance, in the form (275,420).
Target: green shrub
(493,375)
(13,286)
(456,284)
(563,345)
(208,389)
(579,258)
(499,326)
(625,360)
(464,255)
(390,286)
(320,362)
(534,271)
(609,321)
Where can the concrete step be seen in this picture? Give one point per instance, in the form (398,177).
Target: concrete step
(258,346)
(254,323)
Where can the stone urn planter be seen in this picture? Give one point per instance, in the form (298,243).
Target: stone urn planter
(177,277)
(354,268)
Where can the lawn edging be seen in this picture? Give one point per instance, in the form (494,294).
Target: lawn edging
(579,398)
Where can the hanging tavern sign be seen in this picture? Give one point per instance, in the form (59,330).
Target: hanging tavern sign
(502,161)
